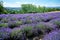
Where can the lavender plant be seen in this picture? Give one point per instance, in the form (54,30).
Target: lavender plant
(45,27)
(17,34)
(54,35)
(13,24)
(56,22)
(28,25)
(3,24)
(5,33)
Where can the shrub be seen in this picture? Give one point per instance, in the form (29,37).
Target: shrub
(5,33)
(28,21)
(13,24)
(56,22)
(3,24)
(12,18)
(27,30)
(45,27)
(54,35)
(4,20)
(17,34)
(19,22)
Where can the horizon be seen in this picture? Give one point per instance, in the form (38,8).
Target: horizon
(18,3)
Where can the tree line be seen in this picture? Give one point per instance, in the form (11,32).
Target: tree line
(26,8)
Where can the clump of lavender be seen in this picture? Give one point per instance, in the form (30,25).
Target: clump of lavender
(5,33)
(12,18)
(17,34)
(28,30)
(54,35)
(4,20)
(13,24)
(56,22)
(45,27)
(3,24)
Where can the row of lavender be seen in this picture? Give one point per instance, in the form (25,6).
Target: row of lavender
(29,26)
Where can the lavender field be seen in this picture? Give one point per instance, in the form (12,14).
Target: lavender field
(44,26)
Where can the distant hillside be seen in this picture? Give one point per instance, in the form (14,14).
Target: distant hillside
(12,8)
(54,7)
(18,8)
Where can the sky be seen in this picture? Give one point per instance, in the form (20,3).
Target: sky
(18,3)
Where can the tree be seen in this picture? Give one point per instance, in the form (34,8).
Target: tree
(1,7)
(28,8)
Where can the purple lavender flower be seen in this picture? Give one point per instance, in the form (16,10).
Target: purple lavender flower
(17,34)
(12,24)
(56,22)
(4,20)
(5,33)
(45,27)
(54,35)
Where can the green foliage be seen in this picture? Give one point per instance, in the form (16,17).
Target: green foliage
(57,23)
(14,24)
(28,21)
(44,28)
(28,28)
(4,20)
(41,26)
(3,25)
(19,22)
(15,32)
(28,8)
(41,9)
(1,7)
